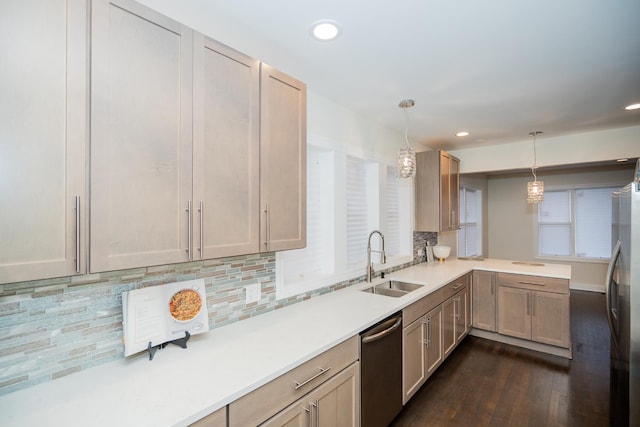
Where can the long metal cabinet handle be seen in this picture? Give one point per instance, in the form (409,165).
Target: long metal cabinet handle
(458,286)
(317,406)
(533,305)
(607,289)
(201,248)
(77,234)
(528,311)
(297,384)
(382,334)
(308,411)
(428,332)
(267,227)
(530,283)
(188,210)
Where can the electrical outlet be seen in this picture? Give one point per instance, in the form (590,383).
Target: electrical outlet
(252,293)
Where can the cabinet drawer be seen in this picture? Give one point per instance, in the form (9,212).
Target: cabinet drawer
(260,404)
(216,419)
(419,308)
(456,285)
(536,283)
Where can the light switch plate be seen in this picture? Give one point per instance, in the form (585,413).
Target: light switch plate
(252,293)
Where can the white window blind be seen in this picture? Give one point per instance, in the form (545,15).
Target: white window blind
(311,261)
(392,229)
(554,224)
(469,236)
(347,198)
(357,212)
(593,222)
(575,223)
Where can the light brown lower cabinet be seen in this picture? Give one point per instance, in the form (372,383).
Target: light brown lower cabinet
(428,339)
(335,403)
(455,312)
(537,315)
(216,419)
(484,297)
(422,350)
(326,389)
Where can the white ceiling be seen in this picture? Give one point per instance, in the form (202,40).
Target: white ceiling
(496,68)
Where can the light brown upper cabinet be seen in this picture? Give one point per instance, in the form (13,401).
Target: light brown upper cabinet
(226,151)
(43,123)
(197,151)
(283,161)
(437,191)
(141,137)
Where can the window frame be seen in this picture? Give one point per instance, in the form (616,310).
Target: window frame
(340,271)
(478,222)
(536,226)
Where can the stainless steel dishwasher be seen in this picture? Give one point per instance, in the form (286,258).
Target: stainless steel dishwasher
(381,372)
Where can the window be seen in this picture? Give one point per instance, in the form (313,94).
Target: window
(347,198)
(470,233)
(575,223)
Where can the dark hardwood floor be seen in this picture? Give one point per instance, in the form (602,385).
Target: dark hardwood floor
(485,383)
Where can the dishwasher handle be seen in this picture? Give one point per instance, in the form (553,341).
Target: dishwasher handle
(387,327)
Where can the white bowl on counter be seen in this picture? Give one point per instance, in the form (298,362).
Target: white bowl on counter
(441,252)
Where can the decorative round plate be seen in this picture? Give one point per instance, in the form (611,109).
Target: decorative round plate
(185,304)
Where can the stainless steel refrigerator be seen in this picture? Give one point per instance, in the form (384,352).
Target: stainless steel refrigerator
(622,292)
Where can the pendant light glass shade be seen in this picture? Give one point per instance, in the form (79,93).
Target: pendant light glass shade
(407,162)
(535,192)
(535,189)
(407,155)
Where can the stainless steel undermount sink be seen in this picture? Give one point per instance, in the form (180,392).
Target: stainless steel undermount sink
(392,288)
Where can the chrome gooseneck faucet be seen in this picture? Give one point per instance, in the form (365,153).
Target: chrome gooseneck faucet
(383,257)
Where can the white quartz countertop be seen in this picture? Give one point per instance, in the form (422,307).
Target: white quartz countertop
(181,386)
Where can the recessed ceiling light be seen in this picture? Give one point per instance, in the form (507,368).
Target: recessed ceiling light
(622,160)
(325,30)
(632,107)
(463,133)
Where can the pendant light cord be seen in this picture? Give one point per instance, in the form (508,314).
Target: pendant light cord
(535,159)
(406,127)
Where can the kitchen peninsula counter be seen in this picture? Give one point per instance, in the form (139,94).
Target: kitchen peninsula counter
(179,386)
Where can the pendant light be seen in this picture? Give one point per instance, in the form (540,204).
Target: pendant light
(535,189)
(407,155)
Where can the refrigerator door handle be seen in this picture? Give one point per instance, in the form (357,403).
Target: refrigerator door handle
(608,294)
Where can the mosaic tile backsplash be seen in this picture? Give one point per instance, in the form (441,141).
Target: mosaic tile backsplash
(55,327)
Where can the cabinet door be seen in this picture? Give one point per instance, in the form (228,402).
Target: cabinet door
(414,357)
(449,325)
(550,320)
(445,193)
(449,192)
(296,415)
(514,313)
(461,324)
(454,192)
(217,419)
(283,157)
(43,116)
(433,340)
(226,123)
(335,403)
(141,139)
(484,300)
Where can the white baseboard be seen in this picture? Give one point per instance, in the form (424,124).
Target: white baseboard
(544,348)
(591,287)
